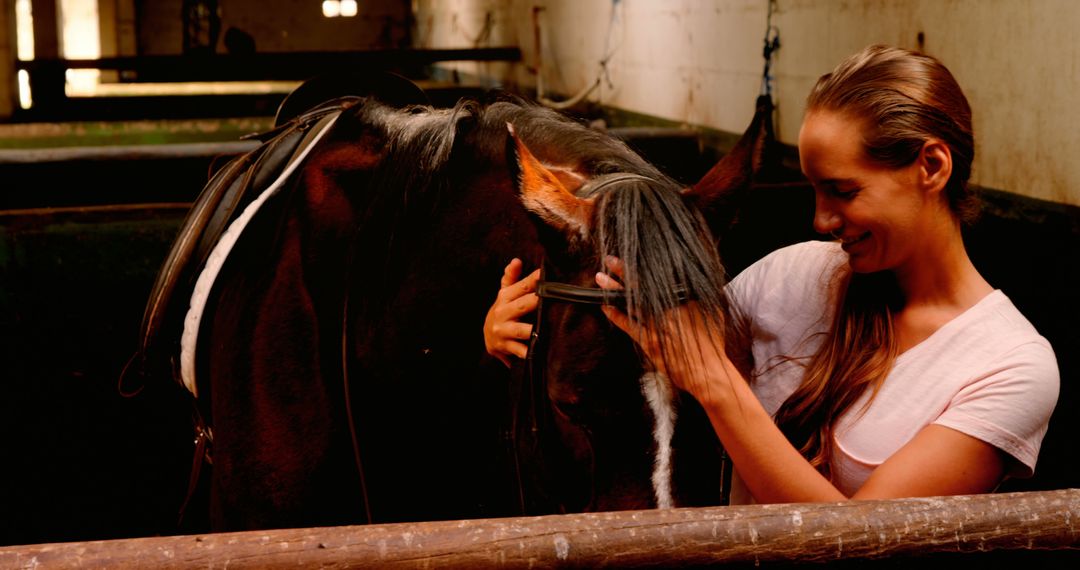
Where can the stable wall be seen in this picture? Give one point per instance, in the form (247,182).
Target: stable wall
(700,63)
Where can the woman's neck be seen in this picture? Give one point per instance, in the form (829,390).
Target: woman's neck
(937,286)
(940,273)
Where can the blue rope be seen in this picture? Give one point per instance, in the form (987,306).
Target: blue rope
(772,43)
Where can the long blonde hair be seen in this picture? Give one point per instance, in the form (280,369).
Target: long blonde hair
(904,98)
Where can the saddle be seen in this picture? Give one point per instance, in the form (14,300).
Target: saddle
(301,119)
(222,201)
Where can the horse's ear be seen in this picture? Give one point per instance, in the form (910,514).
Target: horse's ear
(543,194)
(719,193)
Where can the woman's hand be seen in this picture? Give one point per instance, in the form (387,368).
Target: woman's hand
(504,332)
(695,360)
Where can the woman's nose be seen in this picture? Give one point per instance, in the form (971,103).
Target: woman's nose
(826,219)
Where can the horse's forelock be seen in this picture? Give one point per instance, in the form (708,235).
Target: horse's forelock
(664,244)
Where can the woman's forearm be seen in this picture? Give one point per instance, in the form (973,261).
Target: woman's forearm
(770,467)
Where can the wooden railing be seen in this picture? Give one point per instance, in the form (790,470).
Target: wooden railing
(1045,520)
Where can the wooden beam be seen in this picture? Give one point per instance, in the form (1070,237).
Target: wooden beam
(656,538)
(261,66)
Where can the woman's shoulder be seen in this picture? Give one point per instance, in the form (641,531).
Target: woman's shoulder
(992,344)
(1008,341)
(797,281)
(808,253)
(999,321)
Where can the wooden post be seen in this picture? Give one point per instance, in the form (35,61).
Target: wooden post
(9,85)
(47,82)
(116,22)
(656,538)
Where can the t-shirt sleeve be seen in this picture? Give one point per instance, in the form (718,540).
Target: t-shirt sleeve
(744,290)
(782,275)
(784,300)
(1009,405)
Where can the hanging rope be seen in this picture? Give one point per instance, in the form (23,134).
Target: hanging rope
(772,43)
(602,74)
(485,32)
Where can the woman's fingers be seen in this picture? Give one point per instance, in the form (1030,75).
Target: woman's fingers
(528,284)
(518,299)
(511,273)
(605,281)
(502,326)
(516,330)
(521,306)
(523,287)
(614,265)
(617,318)
(518,349)
(623,322)
(511,284)
(504,340)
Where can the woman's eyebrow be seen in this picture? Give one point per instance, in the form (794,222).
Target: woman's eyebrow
(834,182)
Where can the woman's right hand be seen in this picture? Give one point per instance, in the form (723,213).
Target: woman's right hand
(696,361)
(504,333)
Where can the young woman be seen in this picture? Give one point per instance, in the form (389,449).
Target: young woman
(884,365)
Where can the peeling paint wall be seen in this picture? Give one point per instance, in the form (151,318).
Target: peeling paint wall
(700,62)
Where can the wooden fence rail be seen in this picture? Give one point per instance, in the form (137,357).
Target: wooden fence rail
(658,538)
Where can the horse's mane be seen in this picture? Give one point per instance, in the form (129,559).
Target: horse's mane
(420,142)
(421,147)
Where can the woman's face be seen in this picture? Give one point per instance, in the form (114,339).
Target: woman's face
(879,213)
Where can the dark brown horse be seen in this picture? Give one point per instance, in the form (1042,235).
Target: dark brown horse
(336,343)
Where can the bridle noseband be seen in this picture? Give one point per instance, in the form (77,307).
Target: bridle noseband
(568,293)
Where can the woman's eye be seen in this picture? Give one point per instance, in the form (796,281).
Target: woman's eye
(846,192)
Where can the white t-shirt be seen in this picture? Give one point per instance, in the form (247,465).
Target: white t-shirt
(986,373)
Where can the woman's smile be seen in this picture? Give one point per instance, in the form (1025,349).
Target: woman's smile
(849,242)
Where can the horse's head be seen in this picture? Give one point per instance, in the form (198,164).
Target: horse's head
(613,419)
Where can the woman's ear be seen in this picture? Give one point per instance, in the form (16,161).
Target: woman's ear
(935,165)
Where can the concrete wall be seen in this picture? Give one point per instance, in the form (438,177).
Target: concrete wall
(280,26)
(700,62)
